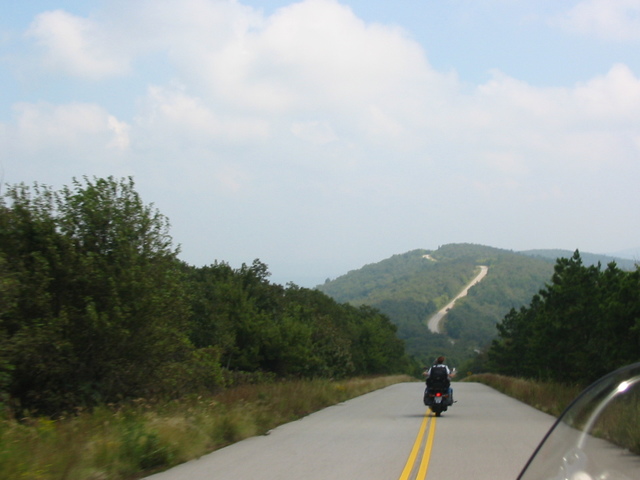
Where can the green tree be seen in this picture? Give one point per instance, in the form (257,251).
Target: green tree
(100,308)
(581,326)
(290,331)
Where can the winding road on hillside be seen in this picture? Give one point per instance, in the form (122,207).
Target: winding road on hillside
(386,435)
(436,320)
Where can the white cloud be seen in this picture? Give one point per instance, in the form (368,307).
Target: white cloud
(182,113)
(173,113)
(613,98)
(313,116)
(313,57)
(617,20)
(76,46)
(42,126)
(317,71)
(120,130)
(317,132)
(330,61)
(51,143)
(232,180)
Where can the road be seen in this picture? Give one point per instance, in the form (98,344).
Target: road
(434,322)
(386,435)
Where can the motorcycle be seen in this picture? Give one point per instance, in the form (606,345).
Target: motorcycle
(598,435)
(438,395)
(438,399)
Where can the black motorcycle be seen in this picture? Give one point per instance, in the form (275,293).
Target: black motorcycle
(438,399)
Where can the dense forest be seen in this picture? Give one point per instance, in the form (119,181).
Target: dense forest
(588,259)
(582,325)
(413,286)
(96,307)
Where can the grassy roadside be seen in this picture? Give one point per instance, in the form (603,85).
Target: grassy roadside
(618,425)
(551,398)
(130,441)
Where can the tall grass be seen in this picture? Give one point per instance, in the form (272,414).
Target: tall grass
(127,442)
(618,423)
(551,398)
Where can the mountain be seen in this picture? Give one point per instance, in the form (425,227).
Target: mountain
(630,254)
(411,287)
(587,258)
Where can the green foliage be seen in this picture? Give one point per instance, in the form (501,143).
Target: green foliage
(96,302)
(290,331)
(549,397)
(139,437)
(407,276)
(95,307)
(588,259)
(585,323)
(143,448)
(512,280)
(411,287)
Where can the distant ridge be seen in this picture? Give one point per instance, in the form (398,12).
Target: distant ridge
(411,287)
(630,254)
(587,258)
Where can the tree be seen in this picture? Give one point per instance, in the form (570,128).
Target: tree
(95,307)
(289,331)
(581,326)
(100,306)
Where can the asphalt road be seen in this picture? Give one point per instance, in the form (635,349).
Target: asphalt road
(386,435)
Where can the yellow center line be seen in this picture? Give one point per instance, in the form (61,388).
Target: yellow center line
(424,464)
(414,451)
(417,446)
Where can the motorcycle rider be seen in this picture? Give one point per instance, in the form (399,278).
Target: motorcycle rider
(440,363)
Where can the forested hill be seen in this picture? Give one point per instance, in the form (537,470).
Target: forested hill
(587,258)
(96,308)
(411,287)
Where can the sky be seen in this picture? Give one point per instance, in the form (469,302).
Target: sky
(322,135)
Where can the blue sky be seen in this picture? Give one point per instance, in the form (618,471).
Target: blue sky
(322,135)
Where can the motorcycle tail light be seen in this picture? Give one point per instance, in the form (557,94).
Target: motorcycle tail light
(438,394)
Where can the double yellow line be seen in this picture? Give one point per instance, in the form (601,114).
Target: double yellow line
(418,448)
